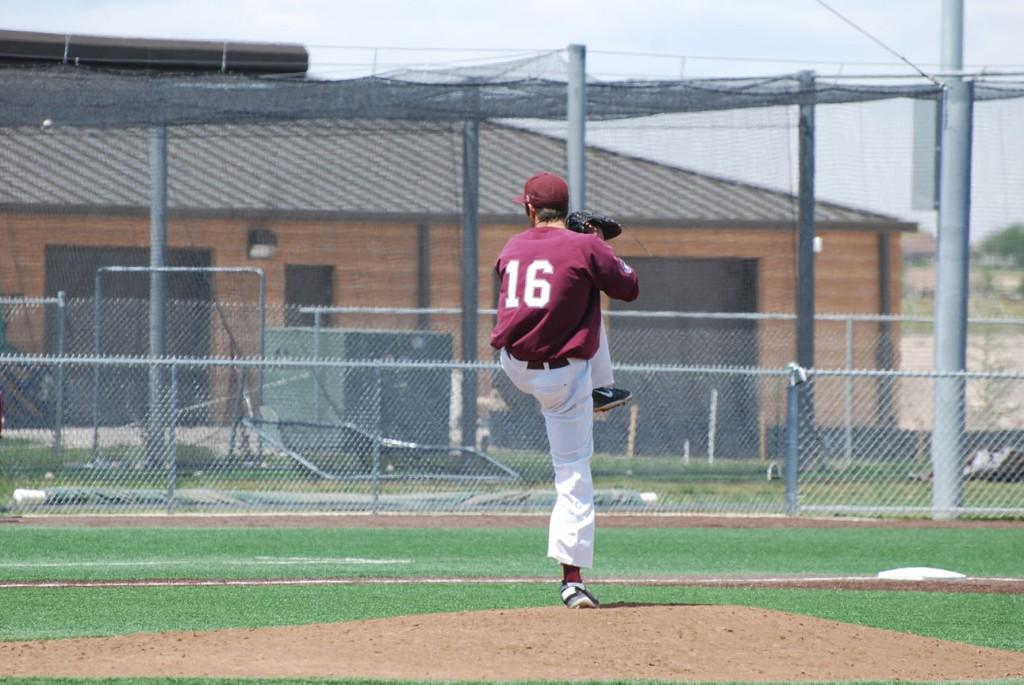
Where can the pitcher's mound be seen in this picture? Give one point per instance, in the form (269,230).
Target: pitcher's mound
(681,642)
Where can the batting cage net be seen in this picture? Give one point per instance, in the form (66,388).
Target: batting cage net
(235,292)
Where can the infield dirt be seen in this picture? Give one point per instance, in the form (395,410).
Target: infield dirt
(667,642)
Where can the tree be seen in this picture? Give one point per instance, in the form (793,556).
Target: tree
(1007,243)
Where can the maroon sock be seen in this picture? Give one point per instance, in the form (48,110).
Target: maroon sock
(571,574)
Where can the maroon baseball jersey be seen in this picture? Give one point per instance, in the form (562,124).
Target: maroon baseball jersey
(550,302)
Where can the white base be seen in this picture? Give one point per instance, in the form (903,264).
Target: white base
(919,573)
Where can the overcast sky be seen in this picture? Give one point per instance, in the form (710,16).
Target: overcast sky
(645,38)
(716,37)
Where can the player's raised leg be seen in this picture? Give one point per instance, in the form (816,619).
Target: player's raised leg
(605,396)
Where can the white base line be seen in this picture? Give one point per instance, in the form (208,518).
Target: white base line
(258,561)
(681,582)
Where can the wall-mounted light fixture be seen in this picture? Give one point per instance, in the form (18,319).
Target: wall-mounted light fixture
(262,243)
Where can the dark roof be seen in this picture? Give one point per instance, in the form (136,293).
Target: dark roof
(368,168)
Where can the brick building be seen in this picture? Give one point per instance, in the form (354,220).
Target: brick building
(368,214)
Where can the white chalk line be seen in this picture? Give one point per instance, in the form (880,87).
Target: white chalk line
(256,561)
(668,582)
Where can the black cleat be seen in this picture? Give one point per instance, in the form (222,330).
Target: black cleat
(576,596)
(609,398)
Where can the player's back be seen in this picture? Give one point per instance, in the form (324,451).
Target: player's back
(549,303)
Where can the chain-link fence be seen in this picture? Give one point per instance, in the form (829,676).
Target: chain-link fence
(382,435)
(365,410)
(877,466)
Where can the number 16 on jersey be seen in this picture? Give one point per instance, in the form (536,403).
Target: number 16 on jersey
(536,289)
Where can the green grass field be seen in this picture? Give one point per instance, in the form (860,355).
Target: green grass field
(47,553)
(50,553)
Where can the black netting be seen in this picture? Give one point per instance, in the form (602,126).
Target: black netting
(76,96)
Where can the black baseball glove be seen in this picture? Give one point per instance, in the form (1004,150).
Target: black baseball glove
(583,221)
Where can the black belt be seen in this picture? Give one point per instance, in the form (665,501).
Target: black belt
(548,364)
(542,364)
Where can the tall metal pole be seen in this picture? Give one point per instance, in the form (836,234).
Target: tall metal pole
(805,227)
(951,290)
(157,287)
(470,277)
(805,245)
(952,36)
(576,113)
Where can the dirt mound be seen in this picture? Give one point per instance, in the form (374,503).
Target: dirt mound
(671,642)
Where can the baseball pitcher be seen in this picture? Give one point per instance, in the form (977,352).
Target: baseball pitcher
(547,332)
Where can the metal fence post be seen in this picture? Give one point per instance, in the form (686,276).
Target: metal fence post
(712,425)
(172,475)
(377,437)
(262,300)
(848,391)
(316,368)
(797,378)
(97,313)
(58,419)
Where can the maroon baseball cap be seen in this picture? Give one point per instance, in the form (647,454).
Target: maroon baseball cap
(545,190)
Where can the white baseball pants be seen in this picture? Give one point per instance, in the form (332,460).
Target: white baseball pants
(601,364)
(568,409)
